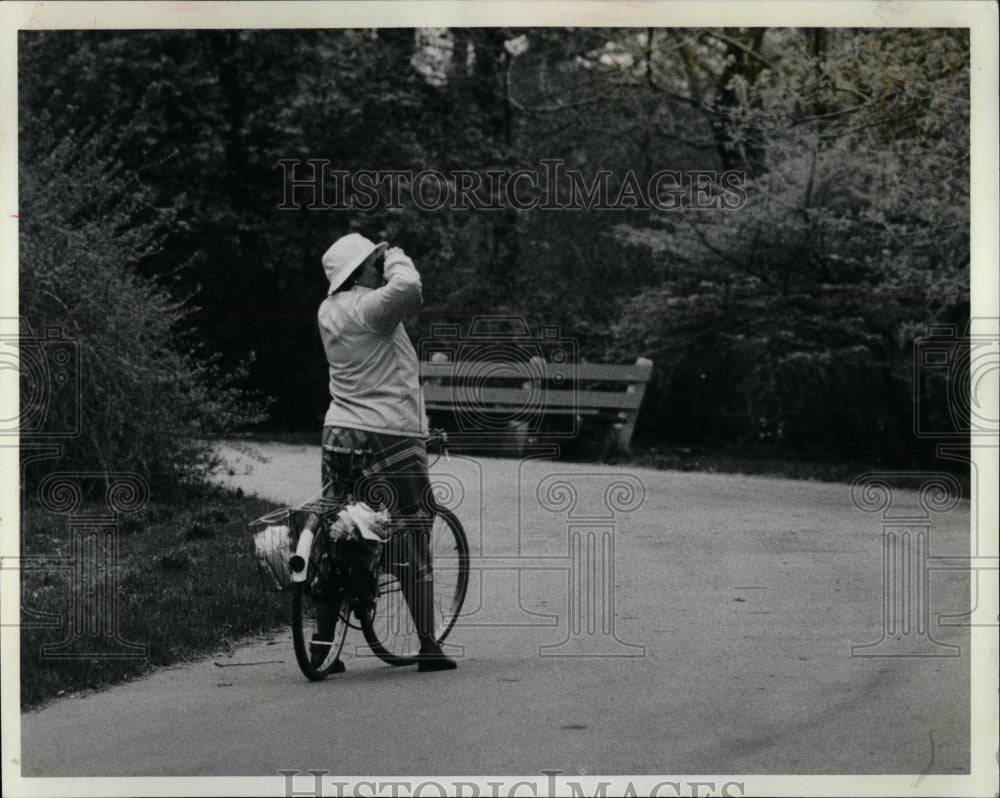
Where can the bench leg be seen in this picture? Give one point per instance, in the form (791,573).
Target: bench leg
(621,432)
(519,430)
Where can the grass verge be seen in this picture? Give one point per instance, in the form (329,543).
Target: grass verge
(174,581)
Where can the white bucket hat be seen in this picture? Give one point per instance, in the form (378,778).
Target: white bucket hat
(347,253)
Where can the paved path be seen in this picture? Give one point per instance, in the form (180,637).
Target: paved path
(735,604)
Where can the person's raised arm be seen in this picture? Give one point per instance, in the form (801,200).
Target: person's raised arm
(383,308)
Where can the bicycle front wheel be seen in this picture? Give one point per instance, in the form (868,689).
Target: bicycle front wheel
(318,626)
(389,630)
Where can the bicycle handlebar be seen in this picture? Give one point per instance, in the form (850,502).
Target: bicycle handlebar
(438,436)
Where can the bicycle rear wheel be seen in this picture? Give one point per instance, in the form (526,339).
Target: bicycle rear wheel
(318,625)
(389,630)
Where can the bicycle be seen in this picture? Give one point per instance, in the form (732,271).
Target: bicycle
(361,579)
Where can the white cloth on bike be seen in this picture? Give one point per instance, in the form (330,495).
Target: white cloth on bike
(368,523)
(273,547)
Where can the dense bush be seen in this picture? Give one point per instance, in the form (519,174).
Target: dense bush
(146,396)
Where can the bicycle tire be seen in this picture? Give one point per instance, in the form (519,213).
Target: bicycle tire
(389,630)
(306,602)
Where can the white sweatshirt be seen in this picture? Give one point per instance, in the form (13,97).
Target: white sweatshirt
(374,369)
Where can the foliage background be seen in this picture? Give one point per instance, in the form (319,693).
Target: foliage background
(150,221)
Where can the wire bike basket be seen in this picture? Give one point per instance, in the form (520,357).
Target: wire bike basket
(282,550)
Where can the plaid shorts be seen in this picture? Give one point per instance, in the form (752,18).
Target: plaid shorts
(394,469)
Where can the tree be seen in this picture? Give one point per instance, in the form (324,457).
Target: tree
(793,318)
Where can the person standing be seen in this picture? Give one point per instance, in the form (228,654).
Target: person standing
(376,405)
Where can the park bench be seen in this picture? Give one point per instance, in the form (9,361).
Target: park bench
(530,399)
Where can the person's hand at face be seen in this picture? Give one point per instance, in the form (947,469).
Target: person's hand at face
(392,254)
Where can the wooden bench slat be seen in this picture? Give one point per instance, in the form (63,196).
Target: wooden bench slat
(505,409)
(613,372)
(520,371)
(522,397)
